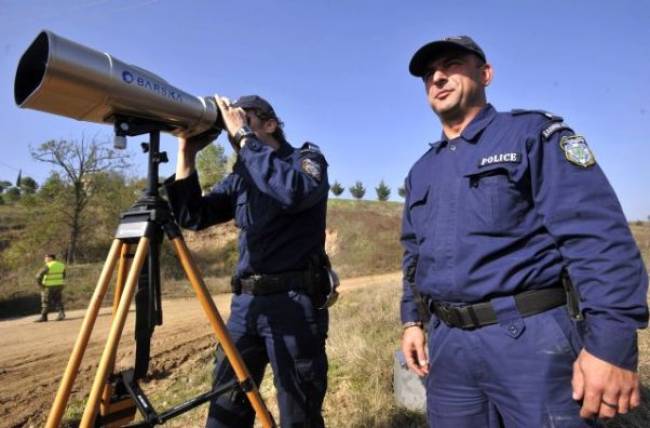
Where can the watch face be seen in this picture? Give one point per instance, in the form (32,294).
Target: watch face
(244,130)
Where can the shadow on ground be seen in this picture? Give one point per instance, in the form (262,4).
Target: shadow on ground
(21,305)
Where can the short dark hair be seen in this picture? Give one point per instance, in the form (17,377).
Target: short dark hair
(51,255)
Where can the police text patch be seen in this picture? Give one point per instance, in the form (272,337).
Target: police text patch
(311,168)
(500,158)
(576,150)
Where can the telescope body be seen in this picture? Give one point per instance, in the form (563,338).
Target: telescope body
(59,76)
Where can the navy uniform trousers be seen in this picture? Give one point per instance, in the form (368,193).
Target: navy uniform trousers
(516,373)
(286,330)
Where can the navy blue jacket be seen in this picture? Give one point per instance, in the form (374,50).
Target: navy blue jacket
(277,198)
(501,209)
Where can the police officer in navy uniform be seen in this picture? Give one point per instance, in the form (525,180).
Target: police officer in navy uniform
(277,195)
(497,213)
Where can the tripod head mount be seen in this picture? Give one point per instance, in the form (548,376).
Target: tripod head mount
(126,126)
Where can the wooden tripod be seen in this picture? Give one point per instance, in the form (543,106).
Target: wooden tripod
(141,227)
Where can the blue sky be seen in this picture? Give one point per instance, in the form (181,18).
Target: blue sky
(336,72)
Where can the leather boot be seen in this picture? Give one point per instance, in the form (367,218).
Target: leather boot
(61,316)
(43,318)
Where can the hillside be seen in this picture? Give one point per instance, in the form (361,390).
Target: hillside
(362,239)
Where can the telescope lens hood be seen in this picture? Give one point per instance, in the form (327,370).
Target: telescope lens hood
(31,68)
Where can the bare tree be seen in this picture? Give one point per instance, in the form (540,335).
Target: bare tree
(78,161)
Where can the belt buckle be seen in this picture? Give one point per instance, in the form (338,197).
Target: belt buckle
(450,315)
(254,283)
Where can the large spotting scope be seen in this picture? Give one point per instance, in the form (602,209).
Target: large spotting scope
(59,76)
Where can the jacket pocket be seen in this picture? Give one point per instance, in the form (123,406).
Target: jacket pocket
(421,210)
(494,200)
(242,211)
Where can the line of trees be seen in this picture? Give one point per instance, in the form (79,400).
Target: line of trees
(358,190)
(75,210)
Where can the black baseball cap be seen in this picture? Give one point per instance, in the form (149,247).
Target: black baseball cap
(428,52)
(255,102)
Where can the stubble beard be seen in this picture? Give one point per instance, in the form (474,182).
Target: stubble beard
(449,110)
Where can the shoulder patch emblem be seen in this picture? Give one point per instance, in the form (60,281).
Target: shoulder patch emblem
(576,150)
(311,168)
(553,128)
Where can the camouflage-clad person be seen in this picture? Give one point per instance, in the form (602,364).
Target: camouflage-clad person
(51,279)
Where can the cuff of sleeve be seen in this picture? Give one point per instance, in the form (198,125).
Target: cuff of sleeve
(409,312)
(190,180)
(180,190)
(247,154)
(252,144)
(615,344)
(171,179)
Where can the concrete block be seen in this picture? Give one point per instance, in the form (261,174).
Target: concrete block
(407,386)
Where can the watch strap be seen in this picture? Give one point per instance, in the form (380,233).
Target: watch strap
(243,132)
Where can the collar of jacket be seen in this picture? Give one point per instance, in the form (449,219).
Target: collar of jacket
(284,150)
(473,129)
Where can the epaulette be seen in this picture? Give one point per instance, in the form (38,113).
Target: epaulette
(308,146)
(556,122)
(552,116)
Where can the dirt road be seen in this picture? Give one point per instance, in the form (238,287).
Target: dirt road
(33,356)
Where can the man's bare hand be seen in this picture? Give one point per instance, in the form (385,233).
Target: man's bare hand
(233,117)
(604,388)
(413,347)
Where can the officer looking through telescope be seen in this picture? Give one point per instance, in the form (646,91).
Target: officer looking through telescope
(277,195)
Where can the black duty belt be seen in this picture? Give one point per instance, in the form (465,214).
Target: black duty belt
(482,314)
(260,285)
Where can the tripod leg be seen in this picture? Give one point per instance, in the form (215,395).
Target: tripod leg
(221,332)
(90,412)
(63,393)
(122,270)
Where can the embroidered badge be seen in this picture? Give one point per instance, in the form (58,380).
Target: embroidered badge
(500,158)
(311,168)
(576,150)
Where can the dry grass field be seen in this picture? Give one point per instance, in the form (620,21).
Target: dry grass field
(364,330)
(364,333)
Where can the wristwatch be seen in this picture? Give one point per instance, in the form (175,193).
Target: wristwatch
(242,133)
(409,324)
